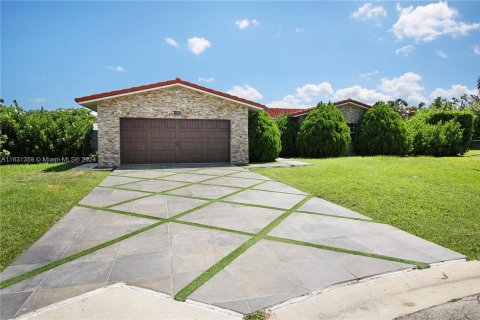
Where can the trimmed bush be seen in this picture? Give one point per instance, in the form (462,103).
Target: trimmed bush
(382,132)
(443,138)
(323,133)
(288,133)
(466,119)
(42,133)
(264,142)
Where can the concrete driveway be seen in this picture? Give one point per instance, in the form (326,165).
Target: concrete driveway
(220,235)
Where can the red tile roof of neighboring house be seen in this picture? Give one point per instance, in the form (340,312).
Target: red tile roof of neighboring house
(277,112)
(294,112)
(105,95)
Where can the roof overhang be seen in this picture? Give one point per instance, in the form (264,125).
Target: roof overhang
(91,101)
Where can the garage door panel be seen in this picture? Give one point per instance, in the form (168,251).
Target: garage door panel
(174,140)
(190,134)
(163,146)
(157,134)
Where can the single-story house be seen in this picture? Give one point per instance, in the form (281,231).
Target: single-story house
(179,121)
(170,121)
(352,110)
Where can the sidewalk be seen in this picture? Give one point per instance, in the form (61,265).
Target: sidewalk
(384,298)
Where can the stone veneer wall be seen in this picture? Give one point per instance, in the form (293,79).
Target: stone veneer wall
(160,104)
(351,112)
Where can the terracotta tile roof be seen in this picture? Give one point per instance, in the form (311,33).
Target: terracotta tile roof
(105,95)
(277,112)
(293,112)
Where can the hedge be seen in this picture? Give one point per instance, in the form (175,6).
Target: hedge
(42,133)
(288,132)
(323,133)
(441,133)
(264,142)
(382,132)
(466,119)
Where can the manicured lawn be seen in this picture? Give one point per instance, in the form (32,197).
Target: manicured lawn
(34,197)
(437,199)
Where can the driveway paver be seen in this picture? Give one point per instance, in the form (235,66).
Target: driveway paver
(220,209)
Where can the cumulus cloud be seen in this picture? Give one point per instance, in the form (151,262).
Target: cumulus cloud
(361,94)
(207,80)
(369,12)
(406,86)
(115,68)
(429,22)
(198,44)
(455,90)
(245,23)
(405,50)
(441,54)
(246,92)
(172,42)
(310,91)
(299,30)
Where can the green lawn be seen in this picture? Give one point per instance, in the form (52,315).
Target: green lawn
(437,199)
(34,197)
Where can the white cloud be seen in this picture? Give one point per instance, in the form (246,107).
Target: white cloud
(245,23)
(116,68)
(405,50)
(310,91)
(197,45)
(299,30)
(246,92)
(406,86)
(39,100)
(441,54)
(369,12)
(455,90)
(427,23)
(361,94)
(207,80)
(172,42)
(368,75)
(476,49)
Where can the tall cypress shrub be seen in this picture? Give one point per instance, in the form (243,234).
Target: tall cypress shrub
(323,133)
(264,142)
(288,133)
(382,132)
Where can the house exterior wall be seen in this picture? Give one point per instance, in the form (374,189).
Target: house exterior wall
(160,104)
(351,112)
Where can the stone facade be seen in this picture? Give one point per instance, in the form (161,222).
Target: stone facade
(160,104)
(350,111)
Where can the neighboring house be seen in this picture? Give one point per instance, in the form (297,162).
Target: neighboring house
(351,109)
(170,121)
(179,121)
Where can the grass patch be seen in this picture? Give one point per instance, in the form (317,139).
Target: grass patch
(434,198)
(33,198)
(258,315)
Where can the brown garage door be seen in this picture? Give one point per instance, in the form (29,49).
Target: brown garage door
(174,140)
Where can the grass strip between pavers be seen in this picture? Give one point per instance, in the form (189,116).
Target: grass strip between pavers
(183,294)
(72,257)
(419,265)
(77,255)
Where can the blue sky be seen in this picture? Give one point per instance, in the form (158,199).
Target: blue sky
(284,54)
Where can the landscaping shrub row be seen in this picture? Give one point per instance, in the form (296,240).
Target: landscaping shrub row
(382,131)
(42,133)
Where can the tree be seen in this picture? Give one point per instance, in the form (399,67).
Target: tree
(264,142)
(382,132)
(288,133)
(323,133)
(3,139)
